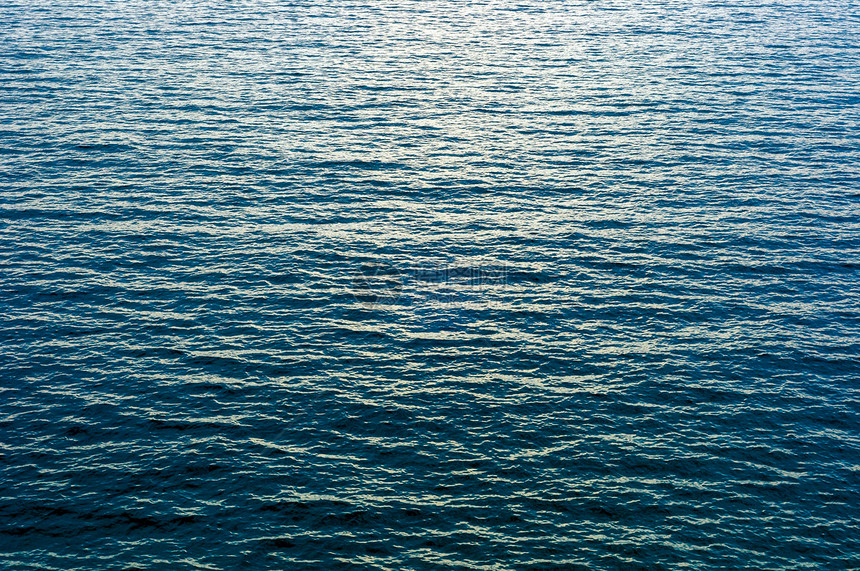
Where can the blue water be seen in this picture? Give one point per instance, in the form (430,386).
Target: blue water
(430,285)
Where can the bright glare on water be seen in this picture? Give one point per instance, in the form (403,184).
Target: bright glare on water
(533,284)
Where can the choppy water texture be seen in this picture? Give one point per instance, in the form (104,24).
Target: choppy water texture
(429,285)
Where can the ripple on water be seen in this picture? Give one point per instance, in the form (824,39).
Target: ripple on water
(437,284)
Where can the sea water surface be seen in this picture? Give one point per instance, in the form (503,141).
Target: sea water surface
(430,284)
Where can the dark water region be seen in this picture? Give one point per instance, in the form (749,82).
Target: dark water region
(429,285)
